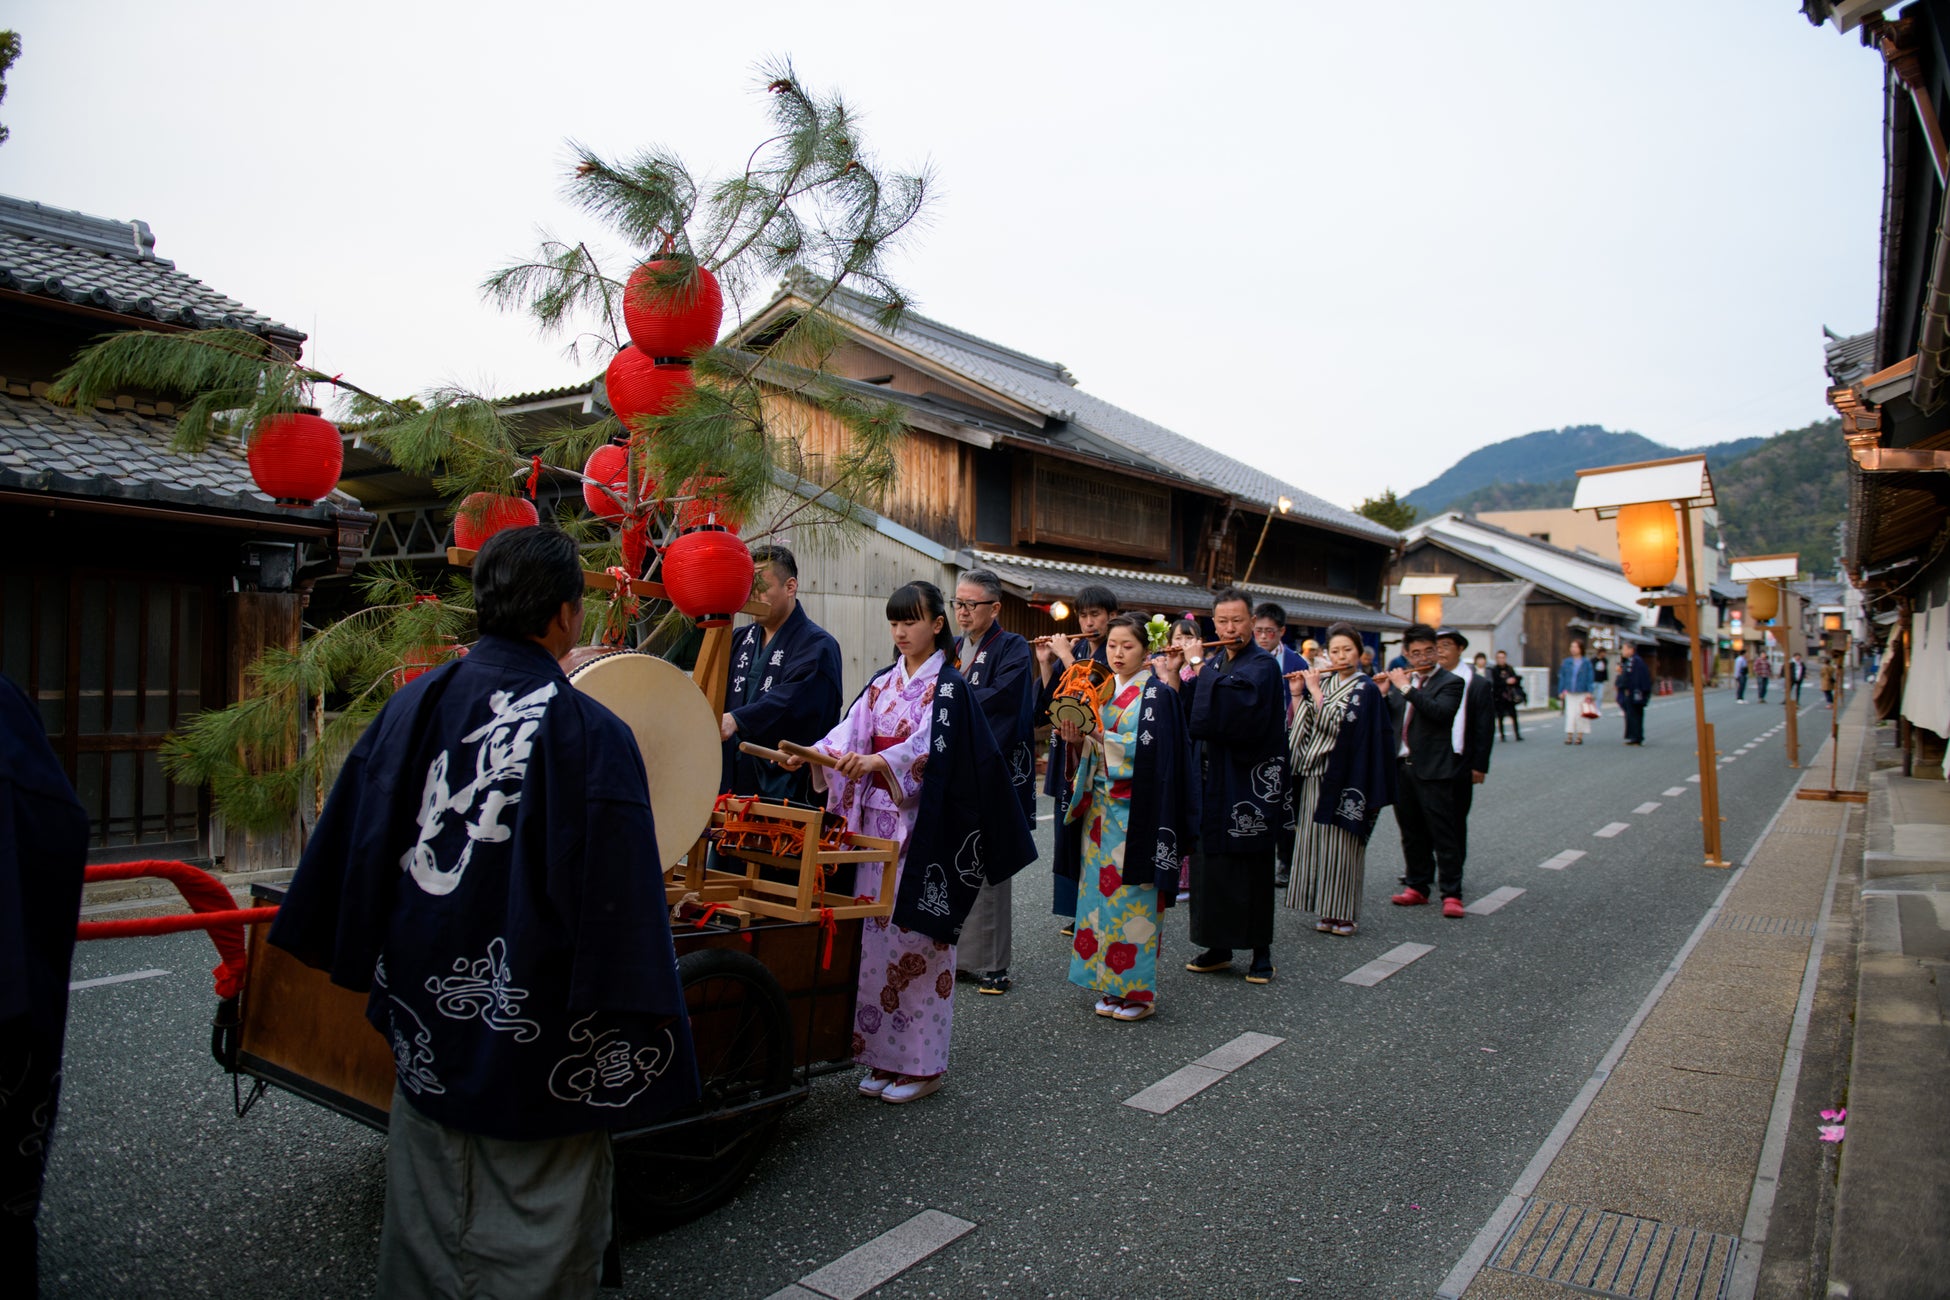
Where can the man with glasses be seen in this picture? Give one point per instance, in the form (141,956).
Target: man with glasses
(1425,699)
(782,683)
(999,669)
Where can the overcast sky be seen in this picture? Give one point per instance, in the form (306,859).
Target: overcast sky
(1346,242)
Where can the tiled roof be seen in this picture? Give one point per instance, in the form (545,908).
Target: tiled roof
(1050,389)
(124,455)
(1475,604)
(1492,558)
(1849,358)
(1170,593)
(112,265)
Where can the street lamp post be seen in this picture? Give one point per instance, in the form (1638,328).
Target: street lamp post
(1775,571)
(1681,483)
(1284,506)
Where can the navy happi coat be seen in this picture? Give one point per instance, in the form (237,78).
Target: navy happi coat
(1359,780)
(1236,717)
(1003,677)
(788,689)
(970,829)
(487,871)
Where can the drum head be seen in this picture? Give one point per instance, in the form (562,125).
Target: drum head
(676,731)
(1077,709)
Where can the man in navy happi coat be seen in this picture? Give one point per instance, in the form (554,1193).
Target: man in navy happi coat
(1237,720)
(487,871)
(783,684)
(1096,605)
(43,846)
(1001,671)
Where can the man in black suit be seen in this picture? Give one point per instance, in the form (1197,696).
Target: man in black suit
(1424,700)
(1473,734)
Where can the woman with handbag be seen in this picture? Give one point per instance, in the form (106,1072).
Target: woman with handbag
(1574,687)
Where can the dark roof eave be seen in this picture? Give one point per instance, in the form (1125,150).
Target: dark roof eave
(175,505)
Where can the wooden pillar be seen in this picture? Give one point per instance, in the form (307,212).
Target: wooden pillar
(257,621)
(1709,761)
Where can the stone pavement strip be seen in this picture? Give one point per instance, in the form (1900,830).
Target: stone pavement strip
(1672,1162)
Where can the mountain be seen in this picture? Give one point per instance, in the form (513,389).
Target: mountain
(1539,469)
(1787,495)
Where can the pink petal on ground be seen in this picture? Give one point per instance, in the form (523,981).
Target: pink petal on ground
(1831,1132)
(1413,1206)
(1836,1115)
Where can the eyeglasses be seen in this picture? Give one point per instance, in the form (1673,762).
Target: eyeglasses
(970,606)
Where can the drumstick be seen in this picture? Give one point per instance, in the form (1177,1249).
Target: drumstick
(759,751)
(809,754)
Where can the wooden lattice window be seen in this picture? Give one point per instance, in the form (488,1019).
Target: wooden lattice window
(115,661)
(1062,506)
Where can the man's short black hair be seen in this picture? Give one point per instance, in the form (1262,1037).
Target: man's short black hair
(1095,596)
(1230,595)
(779,558)
(522,578)
(1417,632)
(1269,610)
(986,579)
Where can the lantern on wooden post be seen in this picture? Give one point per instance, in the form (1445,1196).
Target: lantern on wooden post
(1644,498)
(1428,589)
(1763,600)
(1648,544)
(1766,577)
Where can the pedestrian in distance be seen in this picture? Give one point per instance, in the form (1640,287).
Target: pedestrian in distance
(1600,673)
(1634,691)
(1423,702)
(1797,677)
(1367,661)
(1740,677)
(1575,688)
(1828,678)
(915,762)
(1095,607)
(1134,799)
(493,819)
(1763,673)
(1344,774)
(1236,704)
(1507,694)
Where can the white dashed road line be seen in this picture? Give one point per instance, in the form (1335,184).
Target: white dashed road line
(881,1260)
(1645,808)
(1387,964)
(1182,1085)
(1676,790)
(1694,778)
(116,979)
(1611,829)
(1493,900)
(1561,861)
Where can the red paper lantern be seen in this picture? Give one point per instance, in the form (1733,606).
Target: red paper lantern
(483,514)
(296,459)
(609,465)
(708,574)
(704,508)
(422,660)
(638,386)
(672,320)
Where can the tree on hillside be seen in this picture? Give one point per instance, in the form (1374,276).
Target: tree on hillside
(9,51)
(1388,510)
(808,198)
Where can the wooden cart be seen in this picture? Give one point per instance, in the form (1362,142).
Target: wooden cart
(769,979)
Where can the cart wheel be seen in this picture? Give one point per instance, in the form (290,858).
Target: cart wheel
(742,1033)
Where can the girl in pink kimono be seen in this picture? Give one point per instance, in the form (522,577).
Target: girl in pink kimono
(907,980)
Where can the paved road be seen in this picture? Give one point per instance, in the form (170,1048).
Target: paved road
(1357,1158)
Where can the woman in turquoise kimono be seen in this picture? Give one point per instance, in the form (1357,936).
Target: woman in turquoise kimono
(1130,799)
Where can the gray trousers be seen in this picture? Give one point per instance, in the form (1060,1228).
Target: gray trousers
(988,935)
(470,1216)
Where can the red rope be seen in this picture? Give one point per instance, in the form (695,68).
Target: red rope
(534,475)
(213,911)
(828,927)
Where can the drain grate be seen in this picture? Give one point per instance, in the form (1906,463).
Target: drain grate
(1829,831)
(1606,1254)
(1765,925)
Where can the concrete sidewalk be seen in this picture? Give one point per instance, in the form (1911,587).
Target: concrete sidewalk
(1665,1176)
(1892,1212)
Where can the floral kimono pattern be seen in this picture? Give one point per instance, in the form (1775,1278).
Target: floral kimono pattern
(905,1002)
(1115,951)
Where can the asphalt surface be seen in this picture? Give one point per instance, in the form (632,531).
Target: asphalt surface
(1358,1158)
